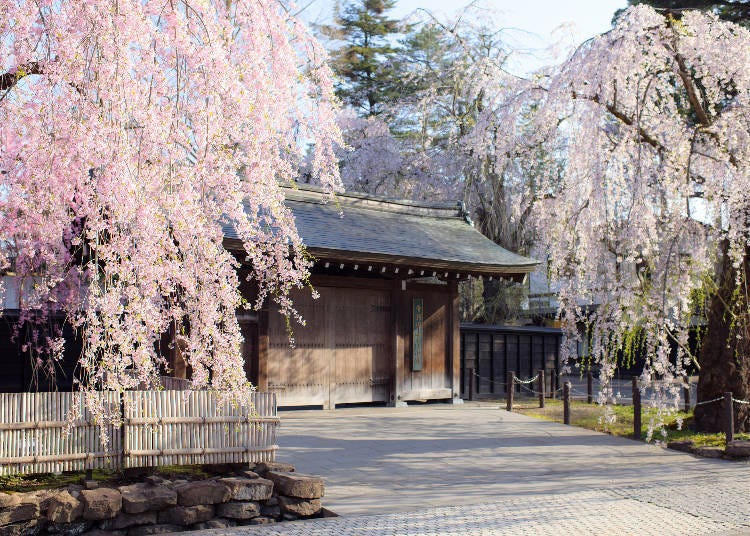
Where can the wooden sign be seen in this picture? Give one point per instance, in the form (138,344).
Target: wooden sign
(416,334)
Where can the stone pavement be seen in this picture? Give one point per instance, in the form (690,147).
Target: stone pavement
(476,469)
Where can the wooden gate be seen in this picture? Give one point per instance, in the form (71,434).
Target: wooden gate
(342,355)
(361,359)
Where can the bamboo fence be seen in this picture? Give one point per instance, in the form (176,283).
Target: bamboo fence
(174,427)
(37,436)
(194,427)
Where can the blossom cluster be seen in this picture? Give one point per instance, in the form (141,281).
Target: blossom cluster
(131,133)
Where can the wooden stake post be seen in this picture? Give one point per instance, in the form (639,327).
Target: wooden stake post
(541,388)
(509,388)
(566,403)
(636,409)
(729,415)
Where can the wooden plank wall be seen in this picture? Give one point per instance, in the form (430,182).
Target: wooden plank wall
(160,428)
(301,374)
(357,347)
(362,347)
(342,354)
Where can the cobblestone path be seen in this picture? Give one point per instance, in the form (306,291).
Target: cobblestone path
(474,470)
(658,511)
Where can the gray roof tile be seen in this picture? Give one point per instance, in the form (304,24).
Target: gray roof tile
(375,229)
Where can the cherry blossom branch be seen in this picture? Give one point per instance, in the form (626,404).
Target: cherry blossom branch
(612,109)
(687,81)
(8,80)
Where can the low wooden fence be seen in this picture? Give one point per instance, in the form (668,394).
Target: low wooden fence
(159,428)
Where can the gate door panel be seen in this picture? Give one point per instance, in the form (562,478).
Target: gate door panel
(362,351)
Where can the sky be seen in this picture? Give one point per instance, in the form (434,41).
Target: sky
(531,26)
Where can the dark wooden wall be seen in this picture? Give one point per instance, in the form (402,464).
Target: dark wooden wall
(491,351)
(356,346)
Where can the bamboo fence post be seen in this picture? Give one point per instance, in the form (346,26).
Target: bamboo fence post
(566,403)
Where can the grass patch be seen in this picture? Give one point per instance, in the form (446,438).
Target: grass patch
(25,483)
(590,416)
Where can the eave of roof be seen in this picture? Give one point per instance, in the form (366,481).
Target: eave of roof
(370,229)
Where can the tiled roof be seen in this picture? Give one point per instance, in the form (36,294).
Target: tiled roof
(373,229)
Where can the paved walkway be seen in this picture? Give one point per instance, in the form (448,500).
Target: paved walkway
(476,469)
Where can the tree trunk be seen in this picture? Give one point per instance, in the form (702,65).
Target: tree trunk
(725,352)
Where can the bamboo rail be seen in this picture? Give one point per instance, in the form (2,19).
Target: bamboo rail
(201,451)
(42,425)
(199,420)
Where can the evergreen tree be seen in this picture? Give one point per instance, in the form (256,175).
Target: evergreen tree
(364,61)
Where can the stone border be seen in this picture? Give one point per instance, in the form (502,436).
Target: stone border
(269,493)
(737,450)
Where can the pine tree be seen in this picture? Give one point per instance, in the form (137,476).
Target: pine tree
(364,61)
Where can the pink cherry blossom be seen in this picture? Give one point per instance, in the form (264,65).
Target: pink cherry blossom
(132,130)
(653,132)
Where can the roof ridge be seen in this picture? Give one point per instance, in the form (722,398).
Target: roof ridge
(314,194)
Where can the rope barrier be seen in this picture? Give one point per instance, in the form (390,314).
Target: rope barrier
(573,390)
(532,380)
(537,393)
(521,383)
(709,401)
(488,379)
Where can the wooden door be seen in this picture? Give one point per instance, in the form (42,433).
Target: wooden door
(362,351)
(342,355)
(300,374)
(433,379)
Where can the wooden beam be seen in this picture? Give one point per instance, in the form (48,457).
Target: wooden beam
(398,344)
(454,342)
(324,280)
(426,394)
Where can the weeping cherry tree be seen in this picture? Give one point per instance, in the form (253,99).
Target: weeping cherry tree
(131,131)
(653,210)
